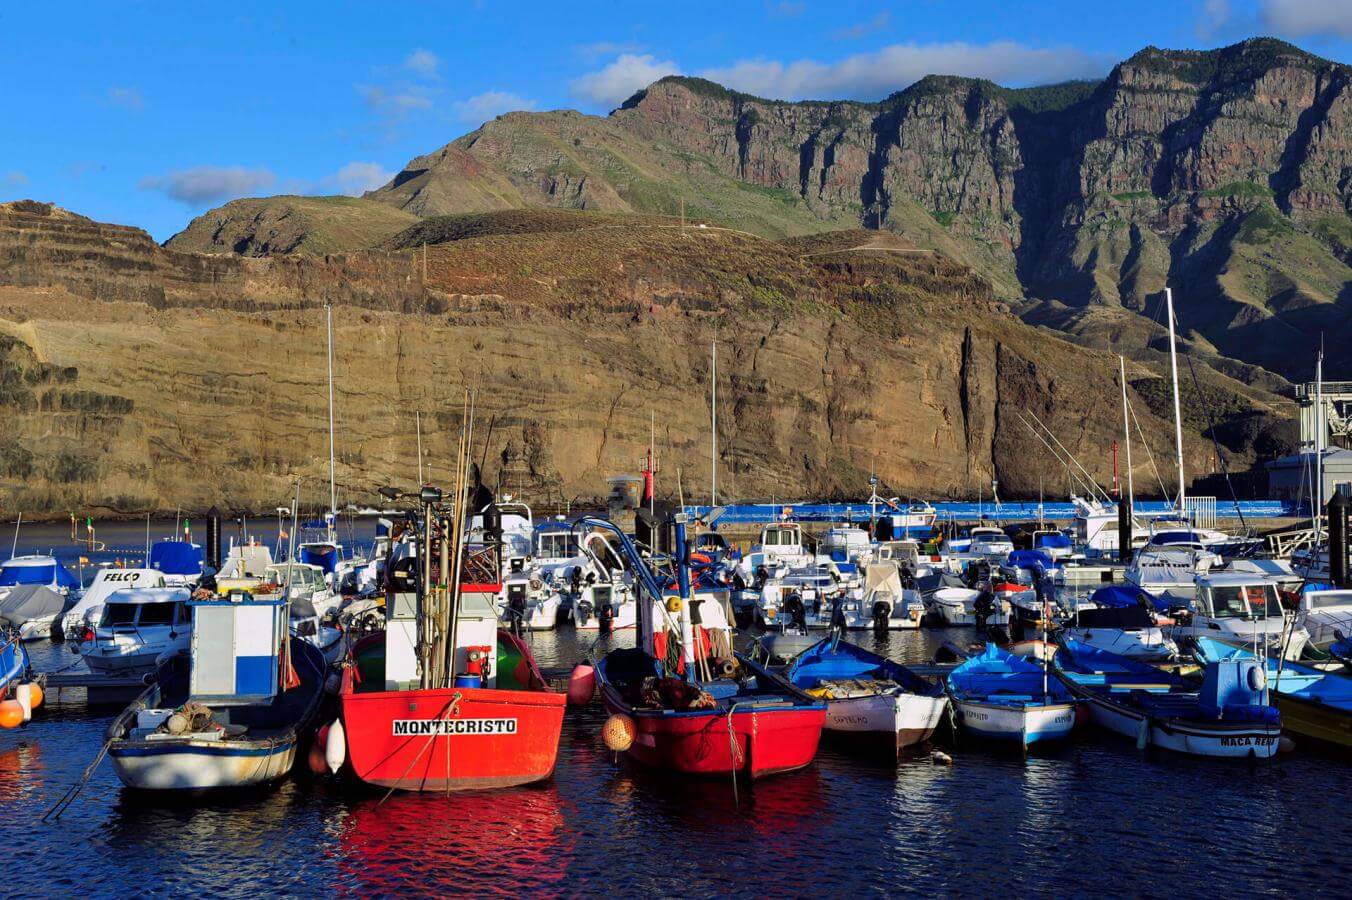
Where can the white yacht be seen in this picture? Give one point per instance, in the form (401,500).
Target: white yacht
(35,591)
(135,628)
(1323,613)
(1242,609)
(105,582)
(1171,569)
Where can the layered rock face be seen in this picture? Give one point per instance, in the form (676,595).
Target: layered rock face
(141,378)
(1226,173)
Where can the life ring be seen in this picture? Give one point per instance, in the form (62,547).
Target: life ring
(703,559)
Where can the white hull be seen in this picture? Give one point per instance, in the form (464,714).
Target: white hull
(37,629)
(1146,644)
(177,764)
(540,615)
(1237,741)
(955,607)
(910,718)
(1021,725)
(625,617)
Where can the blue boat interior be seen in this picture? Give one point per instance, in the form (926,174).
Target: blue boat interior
(1287,678)
(1230,689)
(999,677)
(831,660)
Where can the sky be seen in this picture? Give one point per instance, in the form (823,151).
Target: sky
(150,113)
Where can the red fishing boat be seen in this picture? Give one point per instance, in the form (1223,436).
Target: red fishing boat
(695,710)
(442,700)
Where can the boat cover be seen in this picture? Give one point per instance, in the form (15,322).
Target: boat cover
(1114,617)
(1123,595)
(177,557)
(30,601)
(12,573)
(323,555)
(1031,559)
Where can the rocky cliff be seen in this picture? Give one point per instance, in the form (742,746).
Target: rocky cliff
(1226,173)
(137,377)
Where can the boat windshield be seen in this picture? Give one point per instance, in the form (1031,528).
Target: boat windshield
(157,614)
(1246,600)
(1328,599)
(556,545)
(781,537)
(12,575)
(120,614)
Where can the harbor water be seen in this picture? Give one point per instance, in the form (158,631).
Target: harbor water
(1094,817)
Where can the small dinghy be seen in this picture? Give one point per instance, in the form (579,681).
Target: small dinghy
(1003,697)
(869,697)
(13,664)
(233,714)
(1228,716)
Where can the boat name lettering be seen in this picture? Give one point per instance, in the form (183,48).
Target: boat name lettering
(434,727)
(1248,741)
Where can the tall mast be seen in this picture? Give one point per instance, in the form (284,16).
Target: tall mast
(417,421)
(1126,429)
(713,424)
(1319,420)
(333,493)
(1178,412)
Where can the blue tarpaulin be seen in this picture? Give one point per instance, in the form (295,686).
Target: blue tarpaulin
(51,573)
(1126,595)
(177,557)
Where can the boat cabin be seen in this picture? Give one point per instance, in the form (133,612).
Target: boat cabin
(236,648)
(782,539)
(1221,596)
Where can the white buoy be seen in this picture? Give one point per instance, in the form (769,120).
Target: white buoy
(335,749)
(24,694)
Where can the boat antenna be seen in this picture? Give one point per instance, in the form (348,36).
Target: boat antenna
(14,550)
(333,493)
(147,539)
(1178,409)
(290,562)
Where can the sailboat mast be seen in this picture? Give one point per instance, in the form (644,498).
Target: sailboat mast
(333,493)
(1178,411)
(1126,429)
(713,423)
(1318,486)
(417,421)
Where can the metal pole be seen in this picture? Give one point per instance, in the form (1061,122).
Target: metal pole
(1319,421)
(1178,412)
(713,419)
(417,418)
(683,585)
(333,493)
(1126,429)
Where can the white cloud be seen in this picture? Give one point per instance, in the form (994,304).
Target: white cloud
(599,49)
(423,62)
(355,178)
(863,29)
(395,103)
(14,178)
(490,104)
(1308,18)
(871,76)
(127,98)
(618,81)
(209,184)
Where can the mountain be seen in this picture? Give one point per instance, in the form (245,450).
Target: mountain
(135,377)
(1226,173)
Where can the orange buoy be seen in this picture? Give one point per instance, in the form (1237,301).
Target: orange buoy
(35,694)
(619,732)
(581,685)
(11,714)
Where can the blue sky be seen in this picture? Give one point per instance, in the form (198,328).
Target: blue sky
(148,113)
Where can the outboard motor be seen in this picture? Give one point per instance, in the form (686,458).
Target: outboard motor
(837,617)
(978,573)
(982,608)
(882,612)
(516,605)
(795,610)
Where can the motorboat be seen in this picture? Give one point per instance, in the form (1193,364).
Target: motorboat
(1228,715)
(783,542)
(528,603)
(1165,531)
(1002,697)
(1323,612)
(989,541)
(136,628)
(1239,608)
(180,561)
(105,582)
(605,605)
(1312,702)
(231,714)
(849,541)
(869,698)
(953,603)
(35,592)
(1124,620)
(246,560)
(886,604)
(1171,569)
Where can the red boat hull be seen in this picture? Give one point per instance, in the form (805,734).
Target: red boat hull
(761,742)
(451,739)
